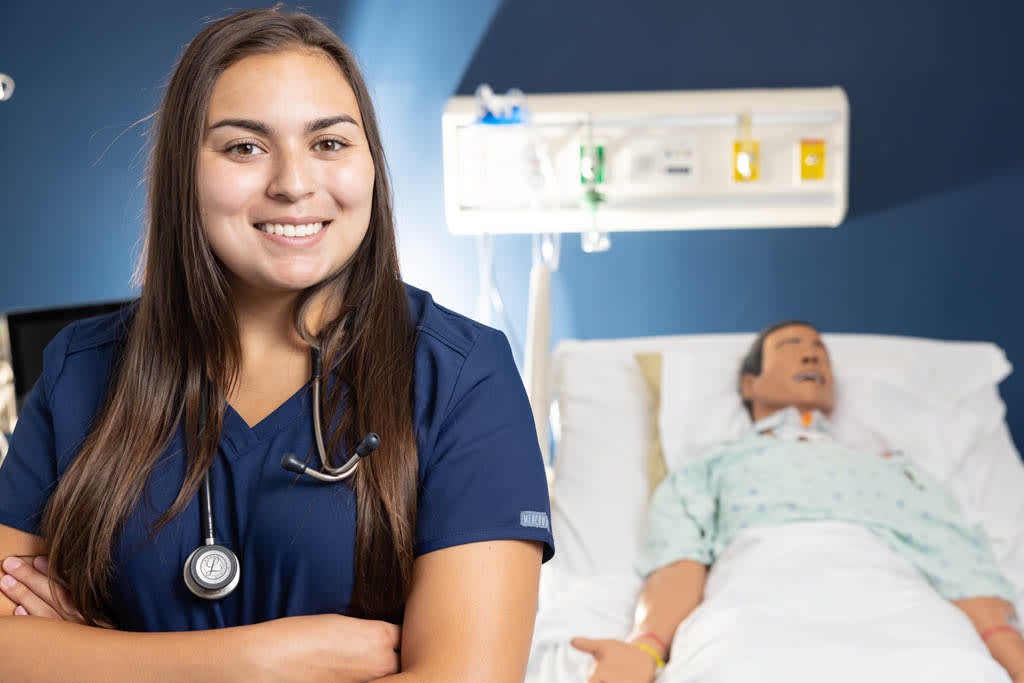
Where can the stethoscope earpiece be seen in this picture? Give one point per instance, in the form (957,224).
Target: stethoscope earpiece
(291,463)
(368,445)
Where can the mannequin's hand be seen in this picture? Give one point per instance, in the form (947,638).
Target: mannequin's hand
(26,583)
(617,661)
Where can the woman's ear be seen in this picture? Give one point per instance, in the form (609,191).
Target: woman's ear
(747,386)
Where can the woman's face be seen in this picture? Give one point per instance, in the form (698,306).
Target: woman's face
(284,151)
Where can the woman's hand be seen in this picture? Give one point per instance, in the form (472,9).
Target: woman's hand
(617,661)
(26,583)
(325,647)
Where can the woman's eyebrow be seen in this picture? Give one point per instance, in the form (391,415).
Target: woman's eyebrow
(264,129)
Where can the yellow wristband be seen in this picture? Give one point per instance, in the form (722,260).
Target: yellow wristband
(652,652)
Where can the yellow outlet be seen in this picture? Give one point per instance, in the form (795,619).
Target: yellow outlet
(812,160)
(746,160)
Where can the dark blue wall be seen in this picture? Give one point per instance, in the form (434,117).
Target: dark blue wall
(933,243)
(71,192)
(932,246)
(413,54)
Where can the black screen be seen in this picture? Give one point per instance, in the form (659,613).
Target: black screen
(31,331)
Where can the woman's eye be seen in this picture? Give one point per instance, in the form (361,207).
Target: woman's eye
(244,149)
(331,145)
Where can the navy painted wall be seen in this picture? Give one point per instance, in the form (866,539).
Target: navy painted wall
(71,192)
(413,54)
(71,181)
(933,243)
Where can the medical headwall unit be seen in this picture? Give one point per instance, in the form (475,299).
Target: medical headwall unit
(674,160)
(597,163)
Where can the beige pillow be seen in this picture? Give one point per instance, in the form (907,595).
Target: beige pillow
(650,368)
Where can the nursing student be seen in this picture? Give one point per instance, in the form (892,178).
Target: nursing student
(148,529)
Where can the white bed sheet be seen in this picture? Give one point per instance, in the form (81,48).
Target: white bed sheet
(801,603)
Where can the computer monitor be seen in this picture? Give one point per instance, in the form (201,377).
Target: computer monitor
(31,331)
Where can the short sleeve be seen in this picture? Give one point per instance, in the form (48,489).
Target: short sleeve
(29,472)
(680,520)
(485,478)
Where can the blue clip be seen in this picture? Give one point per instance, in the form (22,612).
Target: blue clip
(509,108)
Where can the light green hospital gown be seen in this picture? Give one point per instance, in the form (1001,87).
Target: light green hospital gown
(767,480)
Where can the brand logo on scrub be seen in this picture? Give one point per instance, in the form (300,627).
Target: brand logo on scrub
(535,520)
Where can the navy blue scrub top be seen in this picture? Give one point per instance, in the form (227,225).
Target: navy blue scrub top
(481,477)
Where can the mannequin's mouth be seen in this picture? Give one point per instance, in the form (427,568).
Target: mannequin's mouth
(809,377)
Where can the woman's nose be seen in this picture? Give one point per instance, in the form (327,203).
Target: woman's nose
(293,178)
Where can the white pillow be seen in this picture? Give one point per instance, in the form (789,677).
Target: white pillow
(892,393)
(605,427)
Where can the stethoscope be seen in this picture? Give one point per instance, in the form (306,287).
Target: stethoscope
(212,571)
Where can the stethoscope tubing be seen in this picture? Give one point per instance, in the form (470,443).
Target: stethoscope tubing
(214,591)
(205,498)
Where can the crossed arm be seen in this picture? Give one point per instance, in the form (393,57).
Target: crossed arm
(469,618)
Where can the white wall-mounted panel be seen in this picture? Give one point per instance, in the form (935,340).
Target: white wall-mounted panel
(669,162)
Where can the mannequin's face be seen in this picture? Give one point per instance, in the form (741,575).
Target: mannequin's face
(284,144)
(795,371)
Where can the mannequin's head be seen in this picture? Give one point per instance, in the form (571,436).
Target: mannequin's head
(787,365)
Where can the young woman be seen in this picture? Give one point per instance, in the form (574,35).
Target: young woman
(147,462)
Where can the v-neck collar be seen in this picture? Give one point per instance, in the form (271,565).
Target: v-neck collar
(242,436)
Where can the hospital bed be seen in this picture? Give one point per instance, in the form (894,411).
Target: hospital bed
(808,602)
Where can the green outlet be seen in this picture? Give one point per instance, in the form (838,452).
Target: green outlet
(591,165)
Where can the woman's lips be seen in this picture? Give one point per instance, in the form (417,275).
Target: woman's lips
(294,241)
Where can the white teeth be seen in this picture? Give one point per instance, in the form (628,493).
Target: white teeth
(288,230)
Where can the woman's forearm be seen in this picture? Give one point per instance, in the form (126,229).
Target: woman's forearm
(36,649)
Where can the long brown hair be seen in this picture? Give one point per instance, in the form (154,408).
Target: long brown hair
(184,329)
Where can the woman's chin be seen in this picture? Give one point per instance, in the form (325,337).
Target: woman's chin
(292,279)
(285,284)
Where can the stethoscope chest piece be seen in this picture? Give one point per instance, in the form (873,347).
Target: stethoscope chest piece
(212,571)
